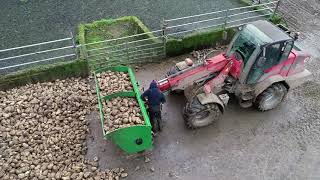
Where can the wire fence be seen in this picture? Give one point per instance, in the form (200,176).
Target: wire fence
(24,57)
(138,48)
(223,19)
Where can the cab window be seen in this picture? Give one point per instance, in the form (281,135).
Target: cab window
(272,55)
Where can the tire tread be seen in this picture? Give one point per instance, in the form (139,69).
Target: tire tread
(265,93)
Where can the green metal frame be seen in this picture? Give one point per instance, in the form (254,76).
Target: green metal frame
(129,138)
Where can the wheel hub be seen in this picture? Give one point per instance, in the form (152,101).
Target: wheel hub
(202,115)
(197,115)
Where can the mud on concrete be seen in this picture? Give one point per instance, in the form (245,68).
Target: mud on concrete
(246,144)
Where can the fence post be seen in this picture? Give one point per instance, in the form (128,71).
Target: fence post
(225,33)
(74,45)
(164,36)
(276,8)
(82,43)
(127,51)
(226,19)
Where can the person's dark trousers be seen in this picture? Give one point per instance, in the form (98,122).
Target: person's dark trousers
(152,113)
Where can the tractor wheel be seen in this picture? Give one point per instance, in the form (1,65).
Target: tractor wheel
(197,115)
(271,97)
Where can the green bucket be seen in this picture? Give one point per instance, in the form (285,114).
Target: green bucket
(130,139)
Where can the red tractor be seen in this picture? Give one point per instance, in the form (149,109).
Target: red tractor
(261,65)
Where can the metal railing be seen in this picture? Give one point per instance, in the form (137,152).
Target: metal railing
(22,57)
(137,48)
(219,19)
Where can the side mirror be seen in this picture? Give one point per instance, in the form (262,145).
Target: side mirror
(296,35)
(261,61)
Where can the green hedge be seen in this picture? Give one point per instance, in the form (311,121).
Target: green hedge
(110,29)
(103,27)
(196,41)
(80,68)
(81,40)
(45,73)
(246,2)
(144,29)
(278,19)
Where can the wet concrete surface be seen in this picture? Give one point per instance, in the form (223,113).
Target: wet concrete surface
(245,144)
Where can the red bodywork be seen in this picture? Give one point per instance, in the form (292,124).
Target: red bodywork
(230,66)
(293,65)
(219,63)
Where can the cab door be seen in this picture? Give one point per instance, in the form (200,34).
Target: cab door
(271,61)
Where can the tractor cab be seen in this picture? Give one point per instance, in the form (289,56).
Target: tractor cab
(260,66)
(260,46)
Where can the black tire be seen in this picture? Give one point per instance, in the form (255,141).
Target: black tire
(271,97)
(197,115)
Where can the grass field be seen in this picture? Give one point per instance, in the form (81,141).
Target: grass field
(29,21)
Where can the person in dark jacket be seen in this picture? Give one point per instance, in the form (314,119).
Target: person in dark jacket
(154,98)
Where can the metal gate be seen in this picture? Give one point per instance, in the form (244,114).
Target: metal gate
(223,19)
(23,57)
(134,49)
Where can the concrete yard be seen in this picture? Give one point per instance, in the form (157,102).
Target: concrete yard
(246,144)
(283,143)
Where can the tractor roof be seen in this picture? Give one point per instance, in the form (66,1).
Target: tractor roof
(272,31)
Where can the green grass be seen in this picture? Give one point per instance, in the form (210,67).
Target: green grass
(249,3)
(246,2)
(112,28)
(107,29)
(278,19)
(44,73)
(275,19)
(196,41)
